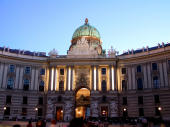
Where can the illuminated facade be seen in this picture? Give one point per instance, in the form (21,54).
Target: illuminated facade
(85,82)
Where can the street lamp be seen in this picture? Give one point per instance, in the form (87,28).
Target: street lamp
(124,109)
(159,108)
(36,109)
(4,107)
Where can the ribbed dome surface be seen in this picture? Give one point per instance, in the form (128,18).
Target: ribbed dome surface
(86,30)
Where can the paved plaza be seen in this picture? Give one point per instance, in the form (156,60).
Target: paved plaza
(23,124)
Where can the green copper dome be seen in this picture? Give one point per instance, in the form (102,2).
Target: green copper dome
(86,30)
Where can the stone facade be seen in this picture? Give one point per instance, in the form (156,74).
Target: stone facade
(133,84)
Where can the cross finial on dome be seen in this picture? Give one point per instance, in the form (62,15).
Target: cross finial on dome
(86,21)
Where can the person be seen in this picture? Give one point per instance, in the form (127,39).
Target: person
(29,124)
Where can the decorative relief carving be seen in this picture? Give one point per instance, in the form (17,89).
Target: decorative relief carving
(113,109)
(82,48)
(94,109)
(68,110)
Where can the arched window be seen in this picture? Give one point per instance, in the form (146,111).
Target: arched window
(10,83)
(26,84)
(103,86)
(41,85)
(139,68)
(124,85)
(155,82)
(140,84)
(61,86)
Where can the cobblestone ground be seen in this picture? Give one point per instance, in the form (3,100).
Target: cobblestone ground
(23,124)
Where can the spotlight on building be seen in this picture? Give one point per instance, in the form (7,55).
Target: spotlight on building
(159,108)
(124,109)
(5,108)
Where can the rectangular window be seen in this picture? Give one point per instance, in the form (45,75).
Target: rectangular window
(24,111)
(11,68)
(40,100)
(42,71)
(62,71)
(141,112)
(140,100)
(157,112)
(123,70)
(154,66)
(7,111)
(8,99)
(156,99)
(139,68)
(27,70)
(103,71)
(124,100)
(25,100)
(40,111)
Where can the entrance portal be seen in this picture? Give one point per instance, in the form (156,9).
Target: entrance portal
(59,113)
(82,103)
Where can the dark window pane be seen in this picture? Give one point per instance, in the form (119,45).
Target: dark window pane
(7,111)
(103,71)
(140,84)
(24,111)
(154,66)
(141,112)
(25,100)
(103,86)
(157,112)
(26,84)
(124,100)
(27,70)
(40,100)
(42,71)
(140,100)
(155,82)
(61,86)
(123,70)
(40,111)
(11,68)
(156,99)
(61,71)
(8,99)
(139,68)
(10,83)
(124,85)
(41,86)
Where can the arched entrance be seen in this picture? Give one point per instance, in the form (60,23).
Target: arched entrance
(82,103)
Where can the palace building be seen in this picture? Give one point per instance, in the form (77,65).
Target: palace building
(86,82)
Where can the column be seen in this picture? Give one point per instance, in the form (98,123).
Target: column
(51,79)
(94,78)
(161,75)
(129,78)
(72,77)
(133,79)
(112,77)
(68,86)
(149,76)
(165,73)
(97,76)
(16,86)
(32,78)
(21,77)
(5,76)
(36,78)
(1,73)
(92,67)
(145,76)
(55,79)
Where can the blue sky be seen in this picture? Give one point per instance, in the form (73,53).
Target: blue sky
(41,25)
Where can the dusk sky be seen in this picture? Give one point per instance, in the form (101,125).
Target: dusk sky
(41,25)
